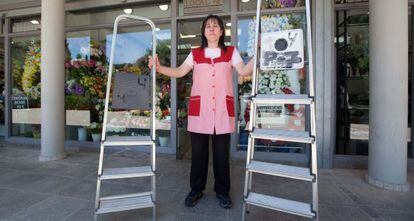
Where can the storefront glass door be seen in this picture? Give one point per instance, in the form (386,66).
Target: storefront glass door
(281,117)
(352,82)
(189,36)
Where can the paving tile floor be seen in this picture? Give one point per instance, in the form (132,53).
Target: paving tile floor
(65,190)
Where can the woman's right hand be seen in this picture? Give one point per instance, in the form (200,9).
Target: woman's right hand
(152,61)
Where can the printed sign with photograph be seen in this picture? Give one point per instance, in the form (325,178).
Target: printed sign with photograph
(282,50)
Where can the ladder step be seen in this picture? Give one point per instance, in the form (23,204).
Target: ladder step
(281,135)
(279,204)
(293,172)
(127,172)
(282,99)
(128,140)
(125,202)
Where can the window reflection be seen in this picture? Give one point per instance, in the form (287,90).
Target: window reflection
(86,69)
(352,82)
(25,99)
(282,117)
(270,4)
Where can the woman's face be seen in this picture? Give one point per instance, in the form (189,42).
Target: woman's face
(212,31)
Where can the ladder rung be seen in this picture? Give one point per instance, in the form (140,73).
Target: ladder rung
(127,172)
(279,204)
(291,136)
(293,172)
(124,202)
(282,99)
(128,140)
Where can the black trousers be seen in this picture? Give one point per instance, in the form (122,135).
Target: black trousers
(199,162)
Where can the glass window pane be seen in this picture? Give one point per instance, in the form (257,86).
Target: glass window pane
(86,68)
(25,61)
(107,16)
(352,82)
(26,24)
(249,5)
(285,117)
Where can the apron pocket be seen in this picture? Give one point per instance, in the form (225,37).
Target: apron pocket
(194,106)
(230,105)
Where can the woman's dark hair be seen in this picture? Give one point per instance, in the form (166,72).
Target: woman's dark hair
(204,42)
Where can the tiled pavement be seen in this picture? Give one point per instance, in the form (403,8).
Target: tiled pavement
(65,190)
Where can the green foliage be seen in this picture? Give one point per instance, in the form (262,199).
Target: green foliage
(75,102)
(164,55)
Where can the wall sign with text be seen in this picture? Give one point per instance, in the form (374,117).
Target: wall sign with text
(202,6)
(20,102)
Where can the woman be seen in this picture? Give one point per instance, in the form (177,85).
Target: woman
(211,107)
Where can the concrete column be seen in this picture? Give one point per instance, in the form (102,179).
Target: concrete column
(388,85)
(52,80)
(325,80)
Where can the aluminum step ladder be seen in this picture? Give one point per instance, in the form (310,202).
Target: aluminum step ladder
(137,200)
(309,210)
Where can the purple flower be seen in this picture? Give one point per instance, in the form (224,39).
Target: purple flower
(68,64)
(287,3)
(74,88)
(79,90)
(68,89)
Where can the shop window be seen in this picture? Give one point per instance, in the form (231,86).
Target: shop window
(87,64)
(26,24)
(283,117)
(100,16)
(352,82)
(249,5)
(25,99)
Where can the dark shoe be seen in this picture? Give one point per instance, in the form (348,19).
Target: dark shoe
(192,198)
(224,200)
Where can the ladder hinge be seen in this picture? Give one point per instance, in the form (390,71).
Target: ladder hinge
(313,178)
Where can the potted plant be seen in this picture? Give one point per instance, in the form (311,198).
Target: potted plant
(163,137)
(95,129)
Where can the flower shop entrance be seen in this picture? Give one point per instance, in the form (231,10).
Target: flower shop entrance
(238,32)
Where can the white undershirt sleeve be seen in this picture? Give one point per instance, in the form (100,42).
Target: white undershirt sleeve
(189,60)
(236,58)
